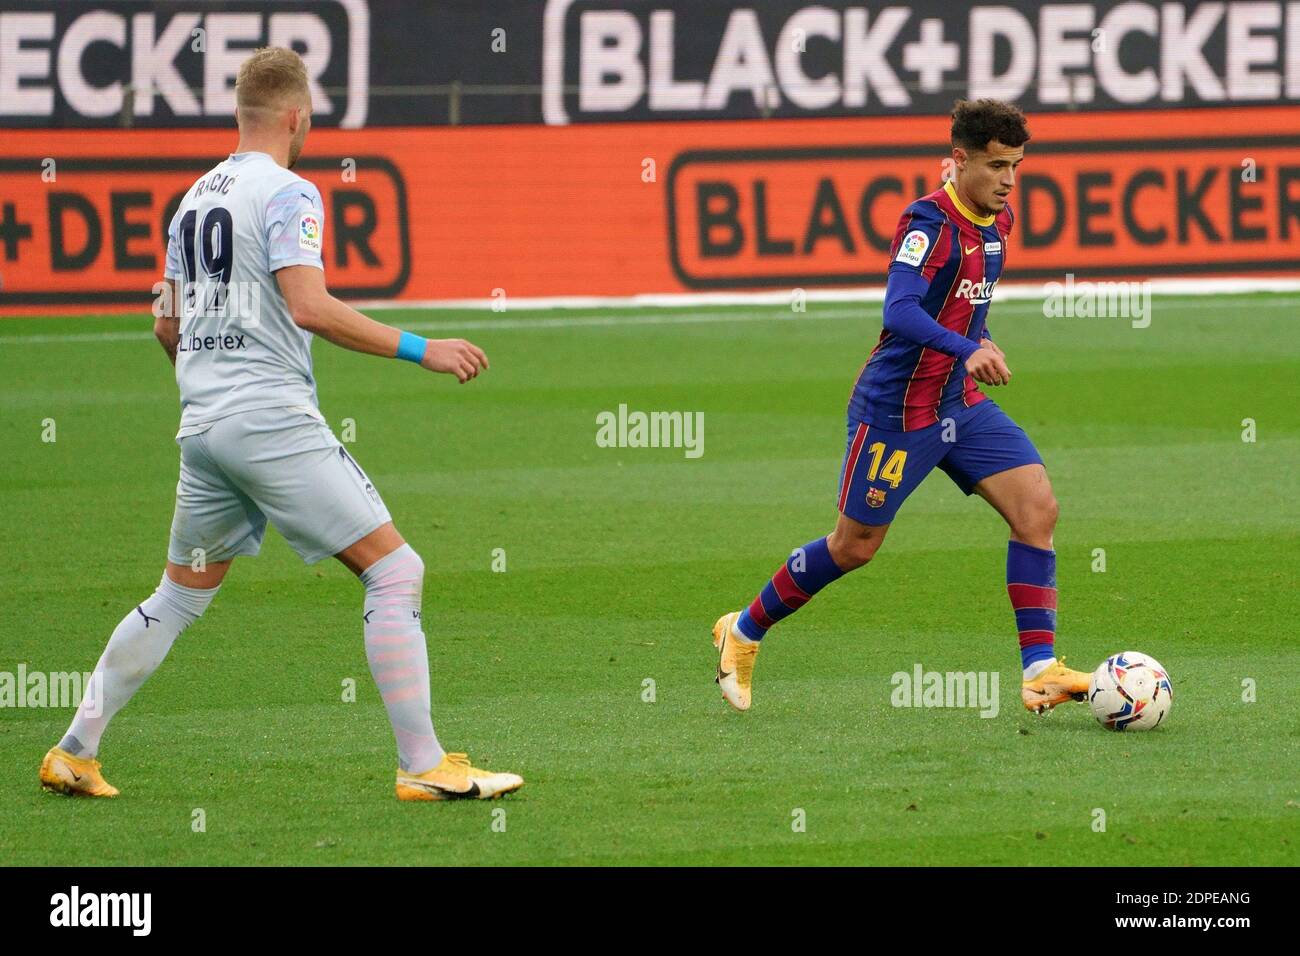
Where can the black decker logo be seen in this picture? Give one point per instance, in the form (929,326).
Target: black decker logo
(97,233)
(790,217)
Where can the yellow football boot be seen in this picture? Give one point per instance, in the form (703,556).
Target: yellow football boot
(735,662)
(1055,685)
(455,779)
(74,776)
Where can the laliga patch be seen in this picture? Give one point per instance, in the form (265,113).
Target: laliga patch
(309,233)
(993,248)
(912,251)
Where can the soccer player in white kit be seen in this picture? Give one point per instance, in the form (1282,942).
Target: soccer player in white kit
(244,293)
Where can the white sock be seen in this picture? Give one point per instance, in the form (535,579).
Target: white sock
(1037,667)
(398,655)
(135,650)
(737,636)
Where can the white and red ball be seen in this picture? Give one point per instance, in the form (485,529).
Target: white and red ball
(1130,691)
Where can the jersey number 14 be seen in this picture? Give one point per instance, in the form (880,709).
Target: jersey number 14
(893,470)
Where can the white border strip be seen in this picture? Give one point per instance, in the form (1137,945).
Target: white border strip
(1009,292)
(852,309)
(1012,292)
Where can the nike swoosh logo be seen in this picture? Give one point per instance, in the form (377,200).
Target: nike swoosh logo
(971,249)
(469,794)
(75,776)
(722,675)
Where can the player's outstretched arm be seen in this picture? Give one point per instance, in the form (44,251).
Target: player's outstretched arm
(314,309)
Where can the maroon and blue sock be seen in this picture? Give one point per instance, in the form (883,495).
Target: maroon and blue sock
(1031,584)
(805,573)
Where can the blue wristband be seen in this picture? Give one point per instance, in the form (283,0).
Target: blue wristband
(411,347)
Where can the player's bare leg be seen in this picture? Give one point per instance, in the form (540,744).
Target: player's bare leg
(393,575)
(737,635)
(1023,496)
(852,544)
(138,645)
(380,543)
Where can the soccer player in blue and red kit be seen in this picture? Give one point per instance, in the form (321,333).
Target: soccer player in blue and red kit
(916,406)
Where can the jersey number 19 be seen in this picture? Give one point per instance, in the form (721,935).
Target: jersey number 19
(214,249)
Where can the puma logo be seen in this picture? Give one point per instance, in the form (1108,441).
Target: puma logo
(139,609)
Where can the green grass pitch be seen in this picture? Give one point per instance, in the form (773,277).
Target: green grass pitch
(617,563)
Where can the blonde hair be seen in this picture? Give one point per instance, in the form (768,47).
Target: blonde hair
(272,78)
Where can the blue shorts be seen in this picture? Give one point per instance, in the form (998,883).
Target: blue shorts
(881,467)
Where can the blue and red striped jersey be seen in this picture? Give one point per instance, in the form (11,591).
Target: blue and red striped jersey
(944,264)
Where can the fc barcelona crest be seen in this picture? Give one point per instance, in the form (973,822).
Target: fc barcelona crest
(875,497)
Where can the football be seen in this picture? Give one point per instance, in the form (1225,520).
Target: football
(1130,691)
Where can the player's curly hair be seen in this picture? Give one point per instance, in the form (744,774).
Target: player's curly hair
(976,122)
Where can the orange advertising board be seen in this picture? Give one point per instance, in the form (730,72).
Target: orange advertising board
(611,210)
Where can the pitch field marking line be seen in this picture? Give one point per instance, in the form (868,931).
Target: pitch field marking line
(627,319)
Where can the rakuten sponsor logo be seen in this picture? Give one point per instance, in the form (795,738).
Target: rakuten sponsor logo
(978,292)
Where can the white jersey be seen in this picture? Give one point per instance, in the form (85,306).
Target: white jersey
(239,348)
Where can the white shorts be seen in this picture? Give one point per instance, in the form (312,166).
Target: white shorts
(280,464)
